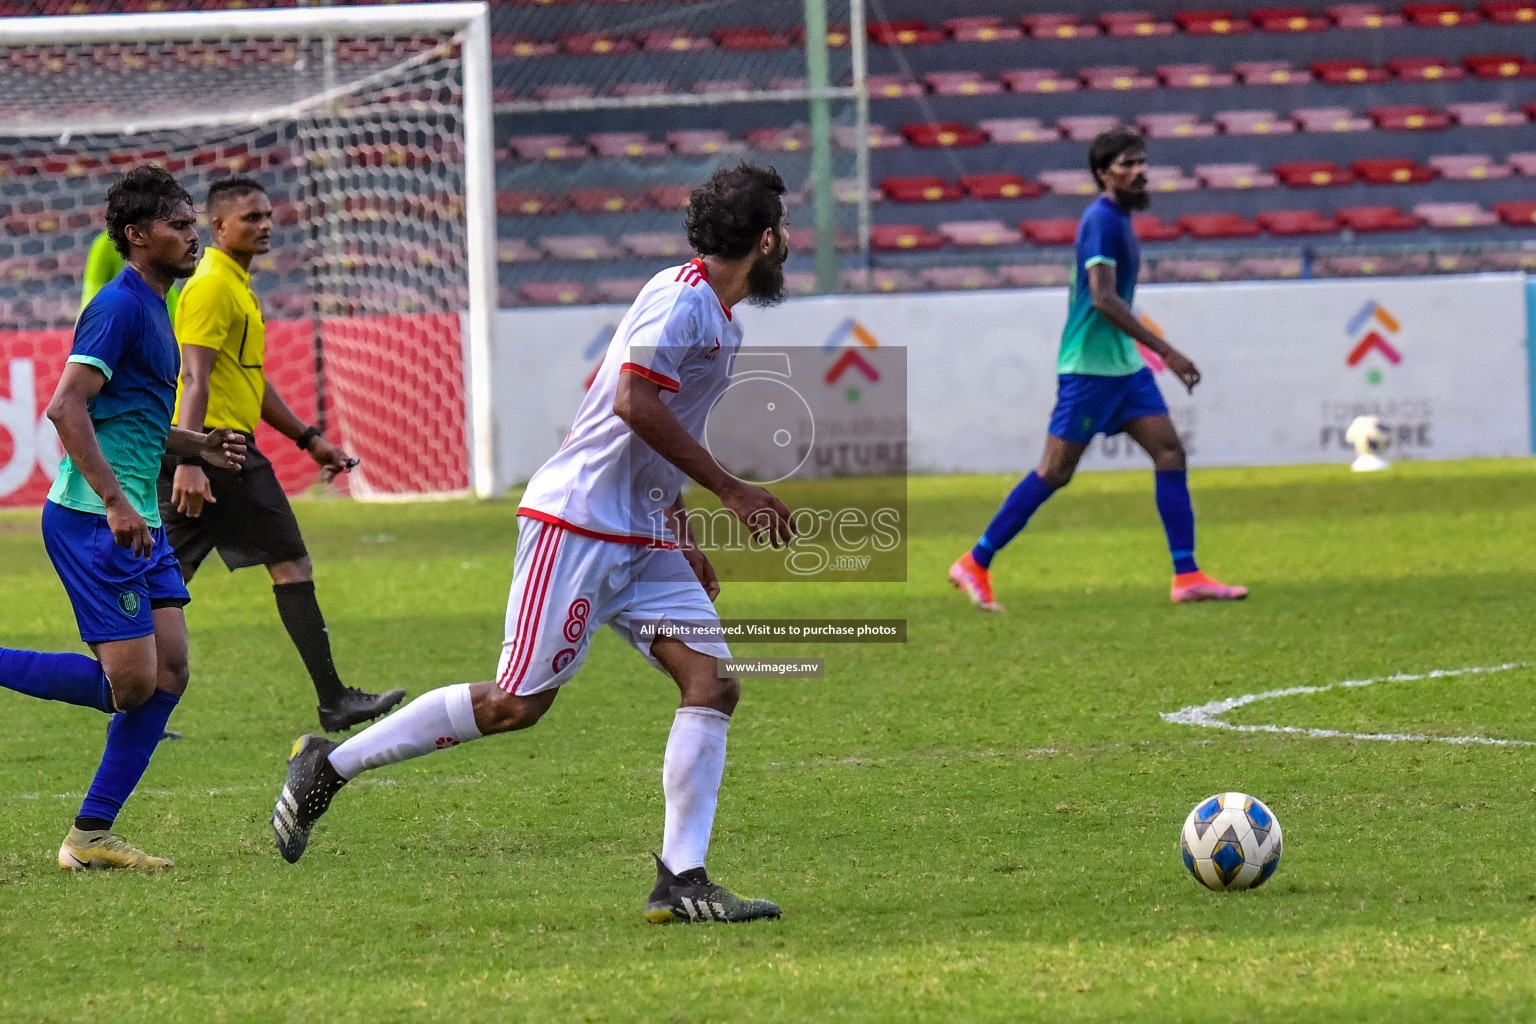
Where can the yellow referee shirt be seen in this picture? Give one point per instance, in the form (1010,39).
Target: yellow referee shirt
(218,310)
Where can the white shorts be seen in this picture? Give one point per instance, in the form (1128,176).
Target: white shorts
(565,585)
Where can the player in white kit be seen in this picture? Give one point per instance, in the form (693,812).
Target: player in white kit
(603,539)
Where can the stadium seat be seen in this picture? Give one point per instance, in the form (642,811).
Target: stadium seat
(1086,127)
(1364,16)
(604,200)
(1439,15)
(1169,270)
(1173,126)
(1070,182)
(668,198)
(1038,80)
(526,204)
(1470,167)
(880,280)
(804,240)
(1000,186)
(1364,266)
(1035,275)
(620,289)
(1161,178)
(1521,214)
(1217,225)
(961,83)
(985,29)
(1269,267)
(1425,69)
(892,87)
(503,47)
(904,238)
(1485,115)
(1212,23)
(979,233)
(1234,176)
(1454,215)
(631,89)
(1348,72)
(626,145)
(710,86)
(1116,77)
(1288,20)
(578,247)
(942,135)
(779,140)
(919,190)
(1525,163)
(1391,172)
(1057,26)
(1253,122)
(1270,72)
(656,244)
(1123,24)
(1367,219)
(678,40)
(1193,76)
(846,190)
(1519,259)
(749,39)
(1151,228)
(549,93)
(837,35)
(1508,12)
(1409,119)
(546,147)
(880,137)
(1330,119)
(903,33)
(1055,231)
(800,282)
(1296,222)
(958,278)
(1500,65)
(1012,130)
(595,44)
(700,142)
(554,293)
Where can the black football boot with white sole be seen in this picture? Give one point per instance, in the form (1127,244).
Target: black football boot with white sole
(307,792)
(691,897)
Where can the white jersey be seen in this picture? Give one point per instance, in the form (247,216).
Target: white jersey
(605,482)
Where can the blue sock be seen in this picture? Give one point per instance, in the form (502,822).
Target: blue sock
(1178,517)
(71,678)
(1020,504)
(131,741)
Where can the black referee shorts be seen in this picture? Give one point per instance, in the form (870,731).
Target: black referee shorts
(250,523)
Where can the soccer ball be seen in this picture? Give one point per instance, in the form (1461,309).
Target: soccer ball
(1231,841)
(1369,440)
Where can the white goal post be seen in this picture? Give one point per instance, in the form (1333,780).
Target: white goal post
(380,118)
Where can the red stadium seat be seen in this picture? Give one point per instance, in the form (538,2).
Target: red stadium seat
(620,289)
(837,35)
(1253,122)
(1470,167)
(779,140)
(1367,219)
(903,238)
(515,250)
(1454,215)
(1270,72)
(847,191)
(1162,178)
(1192,270)
(1363,16)
(1038,80)
(892,87)
(1521,214)
(548,93)
(1313,174)
(656,244)
(804,240)
(1193,76)
(1500,65)
(920,190)
(578,247)
(1116,77)
(668,198)
(554,293)
(1391,172)
(1296,222)
(1234,176)
(1056,231)
(700,142)
(885,281)
(1152,228)
(1409,119)
(1212,23)
(1000,186)
(596,44)
(1330,119)
(1217,225)
(985,29)
(1086,127)
(1035,275)
(983,233)
(711,86)
(1018,129)
(1525,163)
(626,145)
(903,33)
(961,83)
(1269,267)
(1069,182)
(943,135)
(514,203)
(1439,15)
(1508,12)
(1485,115)
(1425,69)
(1134,23)
(749,39)
(1057,26)
(1288,19)
(662,40)
(880,137)
(546,147)
(1173,126)
(800,282)
(1348,72)
(604,200)
(958,278)
(624,89)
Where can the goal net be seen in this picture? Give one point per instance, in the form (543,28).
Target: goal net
(370,129)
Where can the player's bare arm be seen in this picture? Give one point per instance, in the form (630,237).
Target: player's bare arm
(1101,285)
(69,412)
(329,457)
(223,447)
(190,488)
(677,515)
(638,403)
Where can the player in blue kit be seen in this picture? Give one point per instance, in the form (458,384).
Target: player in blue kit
(101,523)
(1104,386)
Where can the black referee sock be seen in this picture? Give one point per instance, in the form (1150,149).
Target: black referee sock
(300,612)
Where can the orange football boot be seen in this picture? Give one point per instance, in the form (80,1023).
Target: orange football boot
(1197,586)
(975,581)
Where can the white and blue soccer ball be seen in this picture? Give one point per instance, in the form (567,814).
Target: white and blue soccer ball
(1231,841)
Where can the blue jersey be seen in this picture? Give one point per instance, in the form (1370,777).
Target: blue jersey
(1090,344)
(125,332)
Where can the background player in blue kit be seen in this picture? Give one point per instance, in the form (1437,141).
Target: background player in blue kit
(1104,386)
(101,523)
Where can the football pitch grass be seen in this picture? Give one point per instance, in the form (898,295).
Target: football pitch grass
(978,826)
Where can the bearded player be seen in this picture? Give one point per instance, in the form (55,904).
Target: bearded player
(1104,386)
(589,551)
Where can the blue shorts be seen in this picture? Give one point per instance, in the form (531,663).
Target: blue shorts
(113,591)
(1087,405)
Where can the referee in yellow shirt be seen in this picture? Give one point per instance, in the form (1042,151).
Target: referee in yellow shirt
(245,514)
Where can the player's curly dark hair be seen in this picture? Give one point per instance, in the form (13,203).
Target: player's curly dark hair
(1106,149)
(729,212)
(230,189)
(146,193)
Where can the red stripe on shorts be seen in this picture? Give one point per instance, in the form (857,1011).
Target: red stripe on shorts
(545,577)
(545,537)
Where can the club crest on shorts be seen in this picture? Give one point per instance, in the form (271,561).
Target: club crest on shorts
(564,658)
(128,601)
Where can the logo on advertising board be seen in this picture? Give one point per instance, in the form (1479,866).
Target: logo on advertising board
(1375,346)
(27,439)
(1374,336)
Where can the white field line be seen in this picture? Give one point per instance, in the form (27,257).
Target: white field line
(1209,715)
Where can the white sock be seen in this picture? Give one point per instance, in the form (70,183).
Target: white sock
(439,718)
(690,777)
